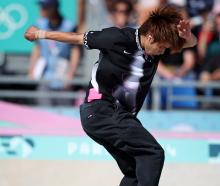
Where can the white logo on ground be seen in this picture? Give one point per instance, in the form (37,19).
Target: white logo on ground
(8,21)
(85,149)
(19,144)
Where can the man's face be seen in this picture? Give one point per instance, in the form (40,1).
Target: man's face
(46,11)
(155,48)
(121,15)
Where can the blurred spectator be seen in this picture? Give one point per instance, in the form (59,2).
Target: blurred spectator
(121,13)
(198,12)
(211,72)
(50,60)
(206,34)
(210,47)
(107,13)
(209,36)
(201,20)
(178,67)
(197,7)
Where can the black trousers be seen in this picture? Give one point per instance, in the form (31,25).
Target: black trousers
(138,154)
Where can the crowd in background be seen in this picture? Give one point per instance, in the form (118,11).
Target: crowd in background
(58,61)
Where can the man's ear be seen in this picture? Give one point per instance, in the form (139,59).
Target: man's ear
(150,38)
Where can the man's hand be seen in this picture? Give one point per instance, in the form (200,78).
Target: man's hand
(30,34)
(184,29)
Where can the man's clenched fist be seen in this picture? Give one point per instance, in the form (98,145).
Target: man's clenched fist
(31,33)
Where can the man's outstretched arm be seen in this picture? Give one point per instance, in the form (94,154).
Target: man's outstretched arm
(33,34)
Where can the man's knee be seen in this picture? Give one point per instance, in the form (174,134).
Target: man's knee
(152,177)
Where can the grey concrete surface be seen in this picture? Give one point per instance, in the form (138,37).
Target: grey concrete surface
(101,173)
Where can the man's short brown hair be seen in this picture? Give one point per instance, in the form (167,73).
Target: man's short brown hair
(162,26)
